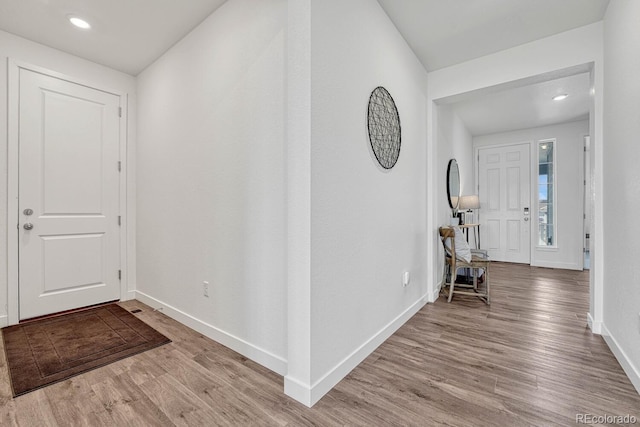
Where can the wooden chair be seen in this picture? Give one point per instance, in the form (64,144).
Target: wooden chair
(453,264)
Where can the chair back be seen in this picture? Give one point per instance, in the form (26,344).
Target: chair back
(448,233)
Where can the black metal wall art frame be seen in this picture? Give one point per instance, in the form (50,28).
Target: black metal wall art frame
(384,127)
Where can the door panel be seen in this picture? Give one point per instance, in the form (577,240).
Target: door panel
(68,176)
(493,189)
(72,261)
(492,232)
(513,235)
(513,189)
(72,173)
(504,191)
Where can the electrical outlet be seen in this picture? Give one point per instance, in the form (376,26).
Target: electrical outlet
(406,278)
(205,288)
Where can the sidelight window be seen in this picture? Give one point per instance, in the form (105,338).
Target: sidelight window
(546,193)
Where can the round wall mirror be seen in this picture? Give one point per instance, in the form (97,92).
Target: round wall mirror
(453,183)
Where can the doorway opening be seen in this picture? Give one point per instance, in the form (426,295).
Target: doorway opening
(469,124)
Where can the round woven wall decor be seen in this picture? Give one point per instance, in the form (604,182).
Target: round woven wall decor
(384,127)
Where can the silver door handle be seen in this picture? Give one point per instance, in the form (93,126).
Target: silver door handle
(28,226)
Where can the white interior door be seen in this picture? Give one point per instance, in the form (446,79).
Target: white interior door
(504,191)
(68,195)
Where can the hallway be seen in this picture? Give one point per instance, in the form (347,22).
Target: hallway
(528,359)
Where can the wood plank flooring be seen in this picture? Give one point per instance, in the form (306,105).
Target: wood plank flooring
(528,359)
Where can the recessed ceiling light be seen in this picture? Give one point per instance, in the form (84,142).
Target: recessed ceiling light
(560,97)
(79,22)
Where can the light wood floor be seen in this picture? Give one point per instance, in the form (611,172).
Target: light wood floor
(529,359)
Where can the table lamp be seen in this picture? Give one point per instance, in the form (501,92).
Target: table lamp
(468,204)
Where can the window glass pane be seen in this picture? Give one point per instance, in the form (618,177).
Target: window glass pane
(546,190)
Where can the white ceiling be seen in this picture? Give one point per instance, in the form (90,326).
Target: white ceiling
(526,106)
(128,35)
(447,32)
(444,33)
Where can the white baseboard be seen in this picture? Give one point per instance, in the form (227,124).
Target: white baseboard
(596,327)
(310,395)
(128,296)
(299,391)
(436,292)
(257,354)
(632,371)
(559,265)
(4,321)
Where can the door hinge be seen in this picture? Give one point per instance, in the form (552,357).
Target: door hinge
(119,111)
(119,274)
(119,166)
(119,220)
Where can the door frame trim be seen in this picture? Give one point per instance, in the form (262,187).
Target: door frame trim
(476,166)
(13,157)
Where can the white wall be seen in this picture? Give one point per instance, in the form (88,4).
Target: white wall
(19,49)
(211,180)
(454,142)
(569,158)
(523,64)
(367,224)
(622,181)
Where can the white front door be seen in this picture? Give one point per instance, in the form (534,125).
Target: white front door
(504,192)
(68,195)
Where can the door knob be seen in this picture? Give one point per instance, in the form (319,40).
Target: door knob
(526,218)
(28,226)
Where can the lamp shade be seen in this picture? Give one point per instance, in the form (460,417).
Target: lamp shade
(469,202)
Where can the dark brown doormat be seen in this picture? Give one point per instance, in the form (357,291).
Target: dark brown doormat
(49,350)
